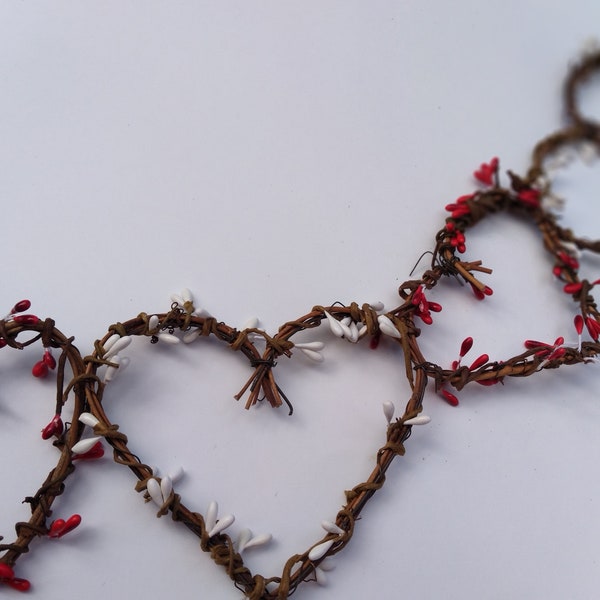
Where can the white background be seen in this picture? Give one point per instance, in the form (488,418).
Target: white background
(272,156)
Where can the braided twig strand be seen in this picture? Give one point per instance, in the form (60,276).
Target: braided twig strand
(42,500)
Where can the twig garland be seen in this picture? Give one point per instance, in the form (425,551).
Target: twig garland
(529,197)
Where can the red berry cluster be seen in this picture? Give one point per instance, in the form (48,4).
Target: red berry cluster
(424,308)
(7,576)
(41,367)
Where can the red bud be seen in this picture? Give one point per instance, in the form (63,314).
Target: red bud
(426,318)
(464,198)
(97,451)
(449,397)
(22,585)
(479,362)
(488,382)
(40,369)
(6,571)
(26,319)
(21,306)
(59,527)
(466,345)
(573,288)
(578,324)
(530,344)
(375,341)
(49,360)
(55,427)
(593,327)
(461,211)
(478,293)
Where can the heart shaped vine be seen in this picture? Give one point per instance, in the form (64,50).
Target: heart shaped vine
(183,324)
(64,436)
(530,197)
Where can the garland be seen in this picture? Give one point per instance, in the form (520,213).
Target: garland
(84,380)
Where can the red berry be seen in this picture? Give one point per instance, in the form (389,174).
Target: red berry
(593,327)
(449,397)
(488,382)
(530,344)
(478,293)
(49,360)
(40,369)
(374,342)
(6,572)
(19,584)
(55,427)
(97,451)
(59,527)
(578,324)
(434,307)
(573,288)
(466,345)
(479,362)
(21,306)
(26,319)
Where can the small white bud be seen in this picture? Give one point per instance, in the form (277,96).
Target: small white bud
(153,488)
(320,550)
(259,540)
(321,576)
(388,410)
(243,538)
(353,335)
(387,326)
(334,325)
(166,487)
(117,346)
(418,420)
(84,446)
(108,344)
(251,323)
(192,335)
(312,354)
(221,525)
(310,345)
(176,474)
(88,419)
(169,338)
(211,515)
(331,527)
